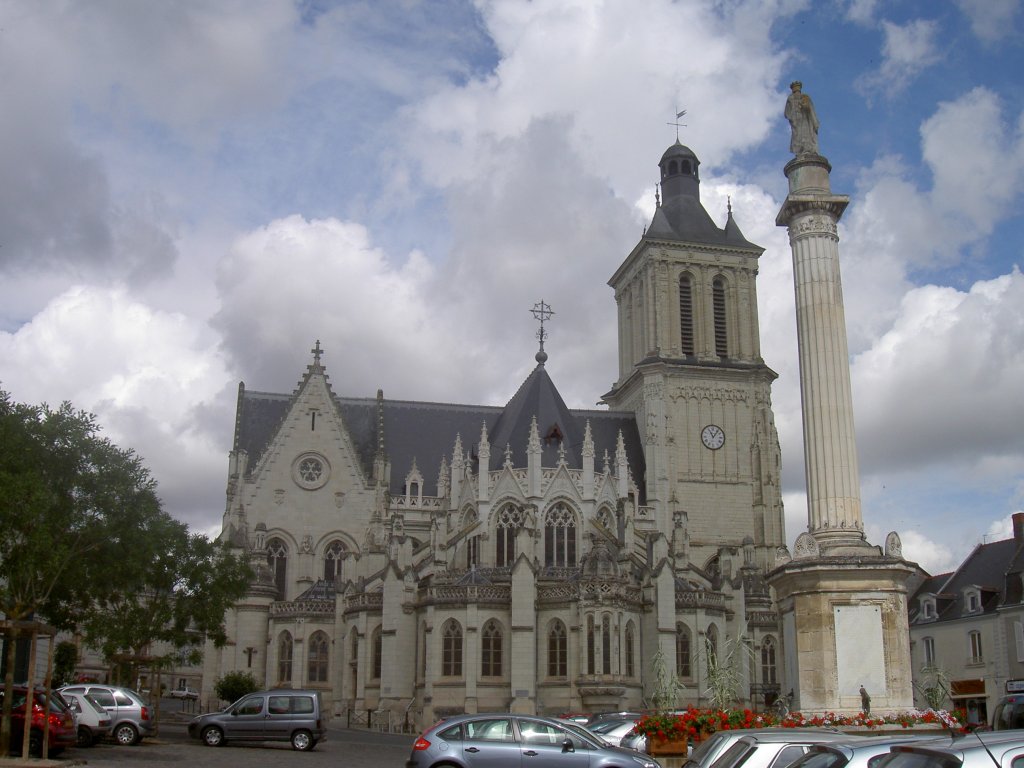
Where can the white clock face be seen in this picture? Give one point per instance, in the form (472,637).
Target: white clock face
(713,437)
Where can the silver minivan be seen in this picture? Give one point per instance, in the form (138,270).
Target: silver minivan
(278,715)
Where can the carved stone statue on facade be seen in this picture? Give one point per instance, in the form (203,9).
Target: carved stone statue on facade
(893,545)
(803,120)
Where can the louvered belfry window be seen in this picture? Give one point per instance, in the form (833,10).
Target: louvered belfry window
(686,315)
(718,300)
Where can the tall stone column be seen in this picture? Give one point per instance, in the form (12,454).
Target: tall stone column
(811,213)
(842,601)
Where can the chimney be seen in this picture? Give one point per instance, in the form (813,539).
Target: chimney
(1018,526)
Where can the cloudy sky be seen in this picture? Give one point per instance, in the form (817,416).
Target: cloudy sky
(194,192)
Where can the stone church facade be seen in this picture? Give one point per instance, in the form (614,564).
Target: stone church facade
(417,559)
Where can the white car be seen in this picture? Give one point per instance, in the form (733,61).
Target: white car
(92,721)
(184,693)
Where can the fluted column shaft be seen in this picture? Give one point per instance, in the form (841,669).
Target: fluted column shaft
(811,214)
(830,447)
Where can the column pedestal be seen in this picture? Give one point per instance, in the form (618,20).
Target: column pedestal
(844,625)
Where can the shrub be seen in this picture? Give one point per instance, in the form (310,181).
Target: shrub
(235,685)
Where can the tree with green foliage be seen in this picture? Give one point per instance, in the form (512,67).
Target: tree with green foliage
(184,584)
(65,656)
(235,685)
(85,544)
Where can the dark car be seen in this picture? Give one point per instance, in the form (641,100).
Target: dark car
(62,732)
(278,715)
(502,740)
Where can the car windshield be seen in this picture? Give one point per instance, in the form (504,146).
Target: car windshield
(734,755)
(1009,714)
(823,758)
(589,737)
(95,704)
(914,759)
(608,725)
(707,747)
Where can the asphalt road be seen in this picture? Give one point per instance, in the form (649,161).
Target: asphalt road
(349,747)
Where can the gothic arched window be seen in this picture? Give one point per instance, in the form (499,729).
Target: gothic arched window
(490,650)
(591,647)
(284,657)
(510,519)
(377,645)
(319,656)
(451,649)
(277,559)
(768,660)
(332,560)
(606,645)
(684,667)
(560,537)
(686,335)
(558,647)
(630,642)
(718,302)
(354,664)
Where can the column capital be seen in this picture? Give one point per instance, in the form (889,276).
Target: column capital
(796,205)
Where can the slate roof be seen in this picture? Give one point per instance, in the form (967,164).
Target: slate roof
(681,216)
(986,568)
(425,432)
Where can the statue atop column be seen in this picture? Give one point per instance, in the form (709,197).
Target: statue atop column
(803,120)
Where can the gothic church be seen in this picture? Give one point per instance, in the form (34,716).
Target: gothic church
(417,559)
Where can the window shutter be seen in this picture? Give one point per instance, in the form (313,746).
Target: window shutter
(1018,633)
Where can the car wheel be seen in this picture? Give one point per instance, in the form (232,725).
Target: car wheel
(303,741)
(126,735)
(212,736)
(85,736)
(35,744)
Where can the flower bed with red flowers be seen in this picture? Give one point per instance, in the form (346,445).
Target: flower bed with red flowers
(693,723)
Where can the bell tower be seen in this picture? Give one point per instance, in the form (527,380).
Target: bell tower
(690,368)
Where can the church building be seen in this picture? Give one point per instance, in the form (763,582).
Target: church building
(418,559)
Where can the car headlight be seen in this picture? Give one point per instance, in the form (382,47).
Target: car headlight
(645,761)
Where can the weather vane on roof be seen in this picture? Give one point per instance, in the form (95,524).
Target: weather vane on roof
(677,124)
(542,312)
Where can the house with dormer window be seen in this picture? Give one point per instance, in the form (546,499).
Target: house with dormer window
(968,626)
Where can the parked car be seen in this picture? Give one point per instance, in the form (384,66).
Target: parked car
(602,717)
(580,718)
(184,693)
(1009,713)
(614,729)
(279,715)
(61,722)
(127,709)
(773,749)
(860,751)
(712,747)
(502,739)
(92,722)
(991,749)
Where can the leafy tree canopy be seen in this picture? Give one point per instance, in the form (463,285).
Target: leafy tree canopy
(85,544)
